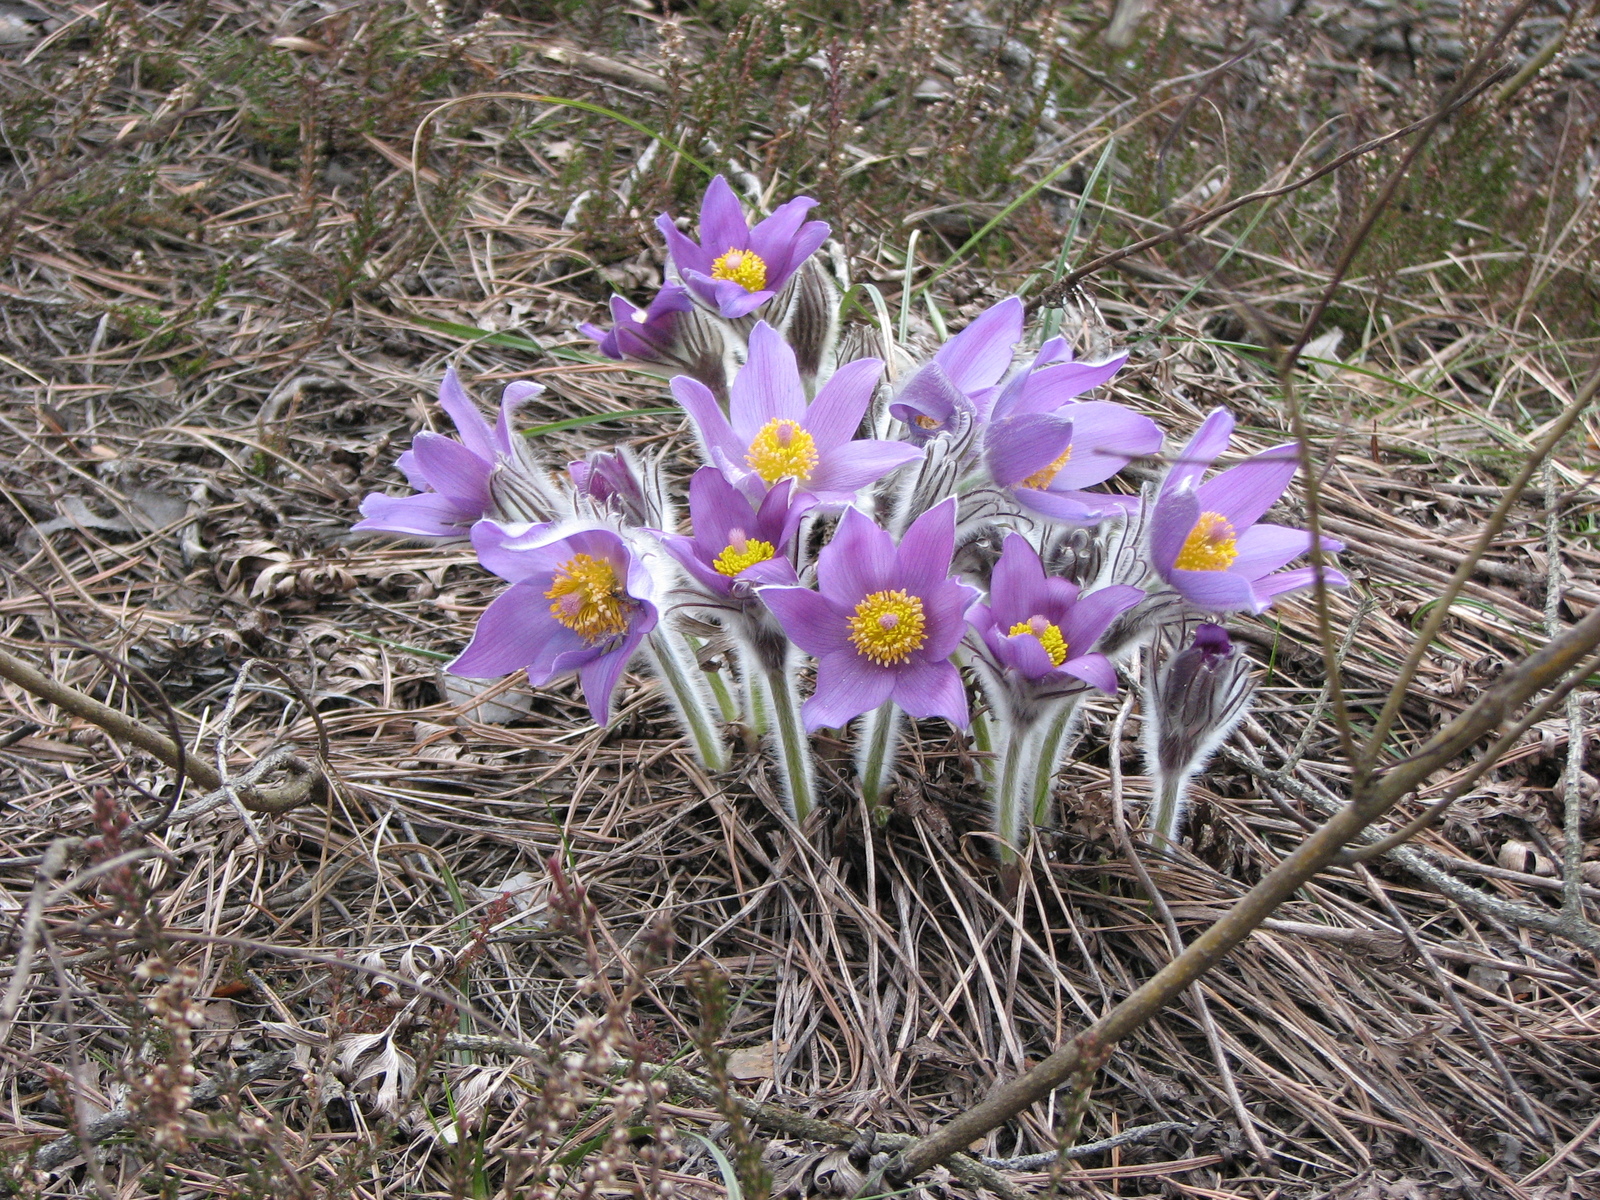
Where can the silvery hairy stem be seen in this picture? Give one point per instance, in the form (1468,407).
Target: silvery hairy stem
(688,690)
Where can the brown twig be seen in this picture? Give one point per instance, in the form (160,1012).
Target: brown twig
(305,782)
(1092,1047)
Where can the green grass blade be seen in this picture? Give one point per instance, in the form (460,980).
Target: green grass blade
(596,418)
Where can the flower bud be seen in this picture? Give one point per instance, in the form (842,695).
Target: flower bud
(1200,695)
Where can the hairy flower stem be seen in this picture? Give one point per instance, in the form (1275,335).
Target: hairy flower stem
(794,748)
(718,683)
(1167,815)
(1013,791)
(880,729)
(1051,746)
(983,743)
(758,703)
(689,701)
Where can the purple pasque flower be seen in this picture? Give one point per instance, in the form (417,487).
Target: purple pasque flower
(643,334)
(738,541)
(452,478)
(733,268)
(1046,460)
(962,383)
(1205,539)
(884,620)
(771,433)
(955,387)
(1043,628)
(580,600)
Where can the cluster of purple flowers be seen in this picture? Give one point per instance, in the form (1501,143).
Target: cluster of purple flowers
(995,454)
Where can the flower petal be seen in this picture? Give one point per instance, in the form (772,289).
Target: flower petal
(835,415)
(929,393)
(1214,591)
(849,468)
(809,620)
(944,608)
(689,556)
(1093,613)
(1210,440)
(806,243)
(847,686)
(1105,438)
(931,689)
(774,238)
(1095,670)
(1017,586)
(599,676)
(1075,508)
(767,388)
(1243,493)
(1046,389)
(453,469)
(1018,447)
(722,222)
(517,552)
(1273,586)
(686,255)
(514,397)
(1265,548)
(703,409)
(922,560)
(469,422)
(427,514)
(1170,525)
(859,559)
(978,355)
(514,632)
(1025,654)
(733,301)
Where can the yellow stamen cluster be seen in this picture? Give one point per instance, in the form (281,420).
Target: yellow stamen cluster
(1212,545)
(587,597)
(782,450)
(1049,637)
(923,421)
(742,552)
(888,626)
(745,268)
(1044,476)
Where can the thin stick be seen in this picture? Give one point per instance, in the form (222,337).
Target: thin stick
(118,724)
(1092,1047)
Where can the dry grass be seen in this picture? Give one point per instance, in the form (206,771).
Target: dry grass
(225,256)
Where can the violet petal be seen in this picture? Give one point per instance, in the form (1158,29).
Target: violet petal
(1243,493)
(767,388)
(1214,591)
(835,415)
(859,560)
(703,409)
(847,686)
(810,620)
(923,556)
(1210,440)
(1095,670)
(978,355)
(849,468)
(931,689)
(514,632)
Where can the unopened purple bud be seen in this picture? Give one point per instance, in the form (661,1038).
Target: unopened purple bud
(1201,694)
(1213,642)
(610,482)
